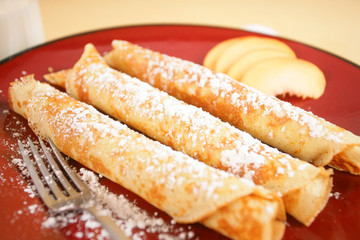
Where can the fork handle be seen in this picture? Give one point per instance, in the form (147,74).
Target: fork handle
(108,223)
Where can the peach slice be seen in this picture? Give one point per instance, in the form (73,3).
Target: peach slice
(244,63)
(244,45)
(280,76)
(214,53)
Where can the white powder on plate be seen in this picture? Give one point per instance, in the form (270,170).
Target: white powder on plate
(133,220)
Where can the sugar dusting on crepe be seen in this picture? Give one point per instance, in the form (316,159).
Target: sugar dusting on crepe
(132,219)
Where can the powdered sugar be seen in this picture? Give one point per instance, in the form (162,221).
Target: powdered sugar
(128,216)
(185,126)
(336,195)
(162,69)
(125,156)
(133,220)
(85,121)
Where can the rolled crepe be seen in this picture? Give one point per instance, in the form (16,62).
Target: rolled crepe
(189,129)
(187,190)
(275,122)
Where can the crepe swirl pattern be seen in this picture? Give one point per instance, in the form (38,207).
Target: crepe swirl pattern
(275,122)
(304,187)
(187,190)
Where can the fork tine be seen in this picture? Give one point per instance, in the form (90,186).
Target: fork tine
(64,203)
(76,180)
(45,172)
(58,172)
(34,176)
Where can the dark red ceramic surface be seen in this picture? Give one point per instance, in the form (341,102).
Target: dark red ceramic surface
(340,104)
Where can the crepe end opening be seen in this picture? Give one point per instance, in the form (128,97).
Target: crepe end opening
(348,160)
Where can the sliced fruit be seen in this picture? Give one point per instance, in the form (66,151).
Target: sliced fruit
(244,63)
(280,76)
(244,45)
(214,53)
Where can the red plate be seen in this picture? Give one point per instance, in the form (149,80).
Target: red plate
(340,104)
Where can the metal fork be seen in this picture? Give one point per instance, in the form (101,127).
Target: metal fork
(67,191)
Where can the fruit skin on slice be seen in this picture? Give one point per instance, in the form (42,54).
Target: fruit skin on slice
(281,76)
(244,45)
(214,53)
(244,63)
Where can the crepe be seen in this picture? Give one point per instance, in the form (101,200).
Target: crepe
(275,122)
(197,133)
(186,189)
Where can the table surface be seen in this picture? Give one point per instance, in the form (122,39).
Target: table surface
(328,25)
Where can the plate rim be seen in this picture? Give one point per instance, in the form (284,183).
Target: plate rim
(11,57)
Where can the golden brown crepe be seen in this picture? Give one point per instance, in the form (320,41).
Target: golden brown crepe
(186,189)
(189,129)
(275,122)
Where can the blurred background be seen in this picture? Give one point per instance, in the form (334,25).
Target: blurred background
(331,25)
